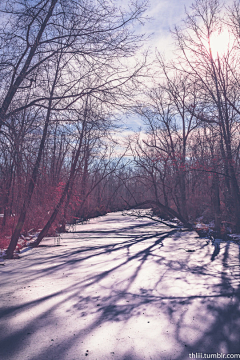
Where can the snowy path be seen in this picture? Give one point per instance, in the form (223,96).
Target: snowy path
(120,288)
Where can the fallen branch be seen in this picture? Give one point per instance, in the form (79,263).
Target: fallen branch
(151,217)
(164,208)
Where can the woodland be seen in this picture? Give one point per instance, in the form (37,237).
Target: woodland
(71,71)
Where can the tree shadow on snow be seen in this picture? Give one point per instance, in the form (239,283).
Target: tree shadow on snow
(196,305)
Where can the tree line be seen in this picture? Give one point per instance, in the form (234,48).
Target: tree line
(189,156)
(67,70)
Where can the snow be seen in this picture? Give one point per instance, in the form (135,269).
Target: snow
(120,287)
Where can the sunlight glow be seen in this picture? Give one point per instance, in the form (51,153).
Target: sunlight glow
(221,43)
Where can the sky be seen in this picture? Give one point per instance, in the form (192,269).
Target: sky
(163,16)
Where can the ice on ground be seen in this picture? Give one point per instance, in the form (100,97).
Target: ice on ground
(120,288)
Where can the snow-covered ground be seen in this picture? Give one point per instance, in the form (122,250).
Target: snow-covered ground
(120,288)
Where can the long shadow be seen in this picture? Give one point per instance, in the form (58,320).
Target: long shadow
(91,252)
(222,335)
(12,344)
(122,301)
(112,231)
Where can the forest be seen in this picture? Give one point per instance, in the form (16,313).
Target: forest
(71,71)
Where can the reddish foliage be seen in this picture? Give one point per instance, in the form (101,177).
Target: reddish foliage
(6,232)
(4,242)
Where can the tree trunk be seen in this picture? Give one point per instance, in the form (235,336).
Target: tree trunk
(183,200)
(48,225)
(15,86)
(31,186)
(6,209)
(68,186)
(216,202)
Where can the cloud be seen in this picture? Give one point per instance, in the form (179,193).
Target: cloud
(165,15)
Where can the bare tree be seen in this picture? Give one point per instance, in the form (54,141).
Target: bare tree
(214,74)
(56,53)
(33,32)
(169,125)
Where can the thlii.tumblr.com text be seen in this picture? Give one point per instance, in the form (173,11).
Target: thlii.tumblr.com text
(200,355)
